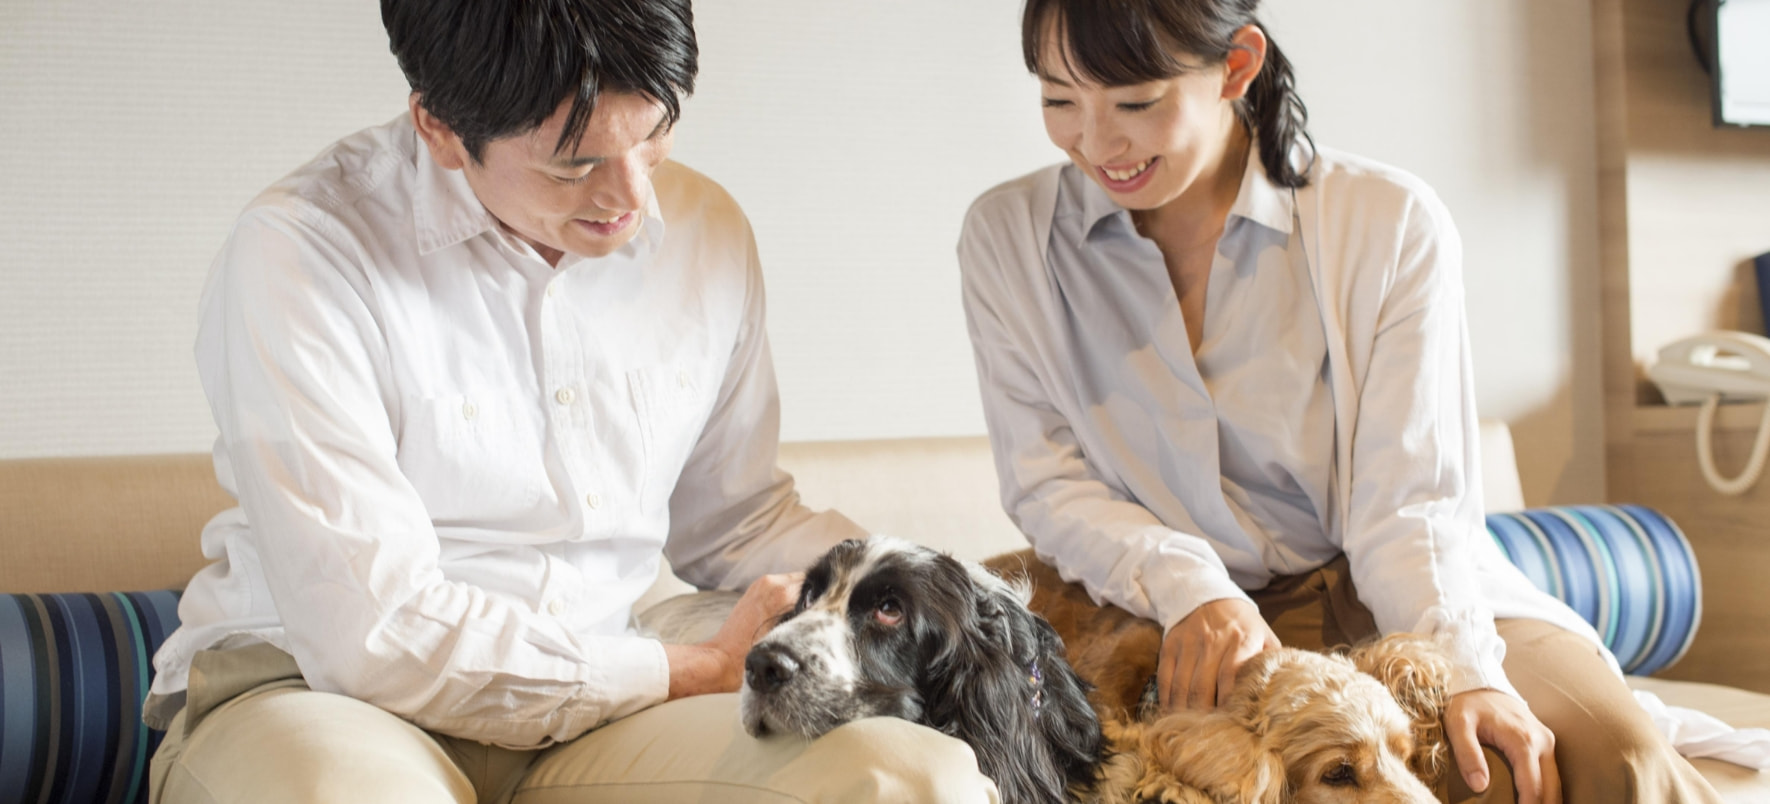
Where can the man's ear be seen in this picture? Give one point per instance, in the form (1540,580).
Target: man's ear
(1247,55)
(445,146)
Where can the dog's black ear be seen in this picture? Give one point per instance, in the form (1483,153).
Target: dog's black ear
(1070,726)
(1004,687)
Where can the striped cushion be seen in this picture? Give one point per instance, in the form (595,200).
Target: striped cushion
(74,669)
(1626,569)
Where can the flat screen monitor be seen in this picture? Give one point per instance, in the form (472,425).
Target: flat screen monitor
(1740,71)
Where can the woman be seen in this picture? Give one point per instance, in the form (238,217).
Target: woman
(1215,358)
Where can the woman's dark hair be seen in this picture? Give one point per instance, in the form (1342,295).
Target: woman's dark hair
(1121,42)
(489,69)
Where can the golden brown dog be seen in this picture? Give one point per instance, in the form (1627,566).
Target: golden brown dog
(1299,726)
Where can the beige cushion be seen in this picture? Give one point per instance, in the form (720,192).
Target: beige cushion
(1500,488)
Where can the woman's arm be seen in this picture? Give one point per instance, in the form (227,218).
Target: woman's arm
(1415,496)
(1416,512)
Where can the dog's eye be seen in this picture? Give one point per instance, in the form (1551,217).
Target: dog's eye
(1341,775)
(888,612)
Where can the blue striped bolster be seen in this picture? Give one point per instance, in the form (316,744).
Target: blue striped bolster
(1626,569)
(74,670)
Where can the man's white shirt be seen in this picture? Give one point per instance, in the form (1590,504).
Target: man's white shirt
(458,466)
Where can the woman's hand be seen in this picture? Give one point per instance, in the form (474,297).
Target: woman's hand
(717,665)
(1202,653)
(1494,718)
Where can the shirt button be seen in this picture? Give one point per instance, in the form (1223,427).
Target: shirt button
(469,410)
(681,379)
(564,396)
(593,500)
(556,608)
(550,291)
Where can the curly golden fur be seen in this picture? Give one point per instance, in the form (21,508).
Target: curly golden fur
(1299,727)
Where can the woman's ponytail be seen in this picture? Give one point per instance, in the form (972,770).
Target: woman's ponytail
(1277,115)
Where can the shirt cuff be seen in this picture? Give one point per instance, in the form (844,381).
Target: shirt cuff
(1474,648)
(631,674)
(1181,586)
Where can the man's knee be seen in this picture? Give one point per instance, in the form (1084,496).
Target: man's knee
(891,760)
(294,745)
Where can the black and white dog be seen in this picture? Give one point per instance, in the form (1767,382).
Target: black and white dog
(884,627)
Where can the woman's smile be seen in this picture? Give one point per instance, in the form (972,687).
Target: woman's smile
(1127,177)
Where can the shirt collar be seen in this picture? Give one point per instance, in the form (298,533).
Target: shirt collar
(1258,200)
(444,209)
(1261,201)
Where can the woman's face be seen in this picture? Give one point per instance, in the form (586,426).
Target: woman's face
(1145,144)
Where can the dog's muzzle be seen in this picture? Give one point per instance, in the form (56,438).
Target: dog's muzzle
(768,668)
(800,678)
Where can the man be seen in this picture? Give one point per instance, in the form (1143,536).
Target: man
(476,371)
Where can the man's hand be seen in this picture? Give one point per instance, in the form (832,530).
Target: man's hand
(1494,718)
(717,665)
(1202,653)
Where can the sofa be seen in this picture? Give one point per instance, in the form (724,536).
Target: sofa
(112,525)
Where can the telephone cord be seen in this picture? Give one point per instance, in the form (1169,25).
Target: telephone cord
(1705,450)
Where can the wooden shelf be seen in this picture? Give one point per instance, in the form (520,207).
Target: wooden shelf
(1653,419)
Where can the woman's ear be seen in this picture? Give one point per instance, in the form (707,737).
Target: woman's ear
(1247,54)
(446,148)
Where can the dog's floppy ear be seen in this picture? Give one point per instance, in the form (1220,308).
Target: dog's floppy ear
(1065,719)
(1004,687)
(1122,770)
(1415,669)
(1217,755)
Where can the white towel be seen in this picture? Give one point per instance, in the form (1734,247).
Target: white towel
(1700,735)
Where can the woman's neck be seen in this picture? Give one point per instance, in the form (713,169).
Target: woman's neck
(1197,216)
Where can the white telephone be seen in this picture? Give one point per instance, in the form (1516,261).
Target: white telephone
(1710,368)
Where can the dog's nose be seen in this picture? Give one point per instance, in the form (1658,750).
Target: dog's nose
(768,668)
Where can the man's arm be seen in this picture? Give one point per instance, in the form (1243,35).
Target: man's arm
(734,514)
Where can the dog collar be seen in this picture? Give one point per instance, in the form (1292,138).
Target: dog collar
(1037,680)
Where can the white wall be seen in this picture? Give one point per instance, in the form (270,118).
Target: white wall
(855,134)
(1491,102)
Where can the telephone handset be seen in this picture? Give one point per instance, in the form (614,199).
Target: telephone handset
(1710,368)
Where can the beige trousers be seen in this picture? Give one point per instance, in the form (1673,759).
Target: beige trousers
(252,731)
(1606,748)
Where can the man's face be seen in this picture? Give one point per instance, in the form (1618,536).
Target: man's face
(587,200)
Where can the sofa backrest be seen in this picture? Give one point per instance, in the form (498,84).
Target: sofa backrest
(132,523)
(104,524)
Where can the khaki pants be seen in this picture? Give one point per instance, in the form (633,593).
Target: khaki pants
(1606,748)
(251,730)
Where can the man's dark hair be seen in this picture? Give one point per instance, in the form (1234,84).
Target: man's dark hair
(490,69)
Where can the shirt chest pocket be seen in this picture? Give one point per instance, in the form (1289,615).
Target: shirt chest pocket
(475,456)
(671,402)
